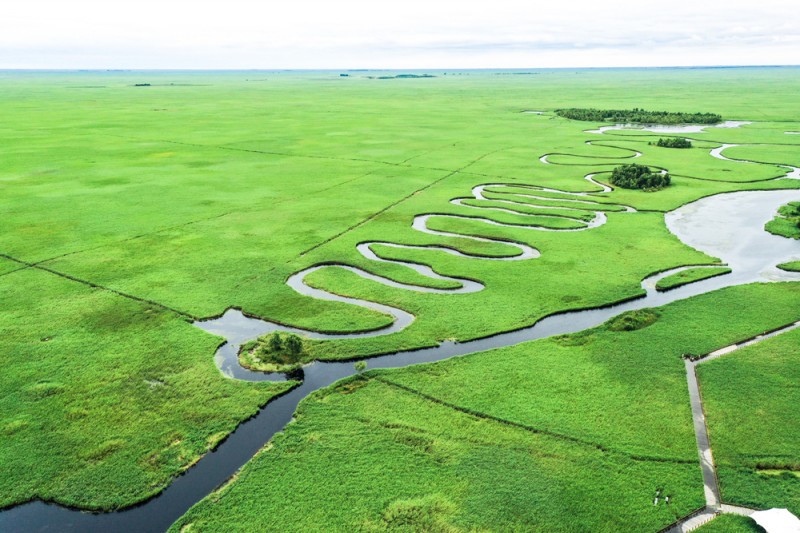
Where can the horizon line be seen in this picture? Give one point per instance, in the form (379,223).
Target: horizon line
(373,69)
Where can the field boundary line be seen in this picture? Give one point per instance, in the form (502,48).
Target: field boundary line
(530,429)
(398,202)
(280,154)
(132,237)
(96,286)
(24,267)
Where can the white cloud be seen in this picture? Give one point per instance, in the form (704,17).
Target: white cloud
(394,34)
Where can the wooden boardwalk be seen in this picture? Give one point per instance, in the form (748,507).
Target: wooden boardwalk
(714,505)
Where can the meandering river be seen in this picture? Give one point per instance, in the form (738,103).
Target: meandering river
(727,226)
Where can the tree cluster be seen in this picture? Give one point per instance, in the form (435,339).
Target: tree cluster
(638,116)
(292,345)
(635,176)
(674,142)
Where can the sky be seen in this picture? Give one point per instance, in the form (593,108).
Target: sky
(397,34)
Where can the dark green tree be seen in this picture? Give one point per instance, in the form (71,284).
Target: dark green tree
(674,142)
(635,176)
(294,345)
(275,344)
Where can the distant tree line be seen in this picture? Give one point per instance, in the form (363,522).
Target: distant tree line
(674,142)
(637,116)
(401,76)
(639,177)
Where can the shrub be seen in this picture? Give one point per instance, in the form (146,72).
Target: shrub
(674,142)
(633,320)
(294,345)
(275,344)
(635,176)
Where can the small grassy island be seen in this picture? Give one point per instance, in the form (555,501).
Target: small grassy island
(637,116)
(278,352)
(674,142)
(787,223)
(635,176)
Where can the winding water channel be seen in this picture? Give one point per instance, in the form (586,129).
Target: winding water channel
(727,226)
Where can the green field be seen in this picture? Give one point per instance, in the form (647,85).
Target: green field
(587,428)
(129,211)
(751,400)
(83,365)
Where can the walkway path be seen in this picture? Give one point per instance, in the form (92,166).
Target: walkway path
(714,505)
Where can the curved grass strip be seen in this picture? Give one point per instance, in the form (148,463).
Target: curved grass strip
(690,275)
(635,153)
(787,222)
(792,266)
(513,202)
(794,172)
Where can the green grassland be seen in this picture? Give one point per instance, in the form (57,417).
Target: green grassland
(731,523)
(751,400)
(689,276)
(383,459)
(127,211)
(587,428)
(104,399)
(786,154)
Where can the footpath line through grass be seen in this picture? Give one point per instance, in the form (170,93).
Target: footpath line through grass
(93,285)
(531,429)
(398,202)
(777,495)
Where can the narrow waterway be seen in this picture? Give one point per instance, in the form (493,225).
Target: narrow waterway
(667,128)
